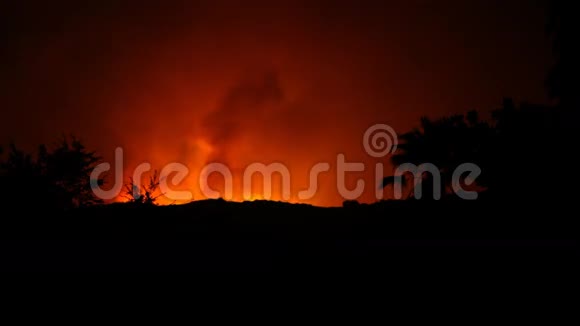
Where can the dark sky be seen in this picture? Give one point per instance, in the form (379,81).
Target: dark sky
(258,81)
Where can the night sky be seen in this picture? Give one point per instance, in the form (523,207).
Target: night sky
(237,82)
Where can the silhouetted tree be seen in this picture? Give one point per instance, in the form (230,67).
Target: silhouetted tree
(517,151)
(445,143)
(56,178)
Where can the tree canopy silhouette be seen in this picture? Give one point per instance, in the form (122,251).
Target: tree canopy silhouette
(55,177)
(514,150)
(445,143)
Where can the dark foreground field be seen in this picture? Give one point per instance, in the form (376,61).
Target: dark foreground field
(218,236)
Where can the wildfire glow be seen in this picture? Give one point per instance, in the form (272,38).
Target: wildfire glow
(283,81)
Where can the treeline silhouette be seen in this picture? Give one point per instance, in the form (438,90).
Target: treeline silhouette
(58,178)
(523,152)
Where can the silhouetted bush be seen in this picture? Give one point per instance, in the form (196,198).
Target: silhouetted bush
(146,194)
